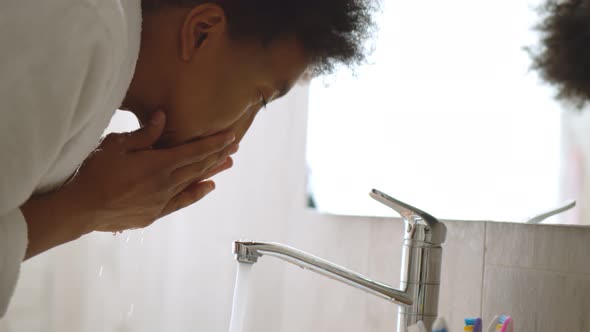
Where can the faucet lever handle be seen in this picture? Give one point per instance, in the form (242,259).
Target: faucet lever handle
(557,210)
(408,212)
(436,231)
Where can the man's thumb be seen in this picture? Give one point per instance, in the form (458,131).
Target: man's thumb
(147,136)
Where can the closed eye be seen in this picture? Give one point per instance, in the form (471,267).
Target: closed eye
(263,100)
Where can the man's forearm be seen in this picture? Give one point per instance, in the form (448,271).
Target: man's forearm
(52,219)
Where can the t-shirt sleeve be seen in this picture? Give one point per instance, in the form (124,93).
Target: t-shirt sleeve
(52,67)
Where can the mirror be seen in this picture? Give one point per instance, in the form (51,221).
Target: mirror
(449,117)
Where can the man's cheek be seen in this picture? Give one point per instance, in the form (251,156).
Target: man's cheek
(244,123)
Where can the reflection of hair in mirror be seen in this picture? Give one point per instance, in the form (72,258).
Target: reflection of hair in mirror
(332,31)
(563,58)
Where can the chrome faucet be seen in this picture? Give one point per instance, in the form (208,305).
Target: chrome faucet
(421,264)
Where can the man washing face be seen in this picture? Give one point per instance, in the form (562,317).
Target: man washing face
(194,72)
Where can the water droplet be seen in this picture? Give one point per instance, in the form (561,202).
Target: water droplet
(141,241)
(128,238)
(130,312)
(100,271)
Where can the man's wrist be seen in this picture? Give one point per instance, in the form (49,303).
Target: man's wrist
(53,219)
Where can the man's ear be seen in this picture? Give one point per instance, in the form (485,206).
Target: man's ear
(199,25)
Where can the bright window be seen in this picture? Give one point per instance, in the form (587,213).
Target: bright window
(447,117)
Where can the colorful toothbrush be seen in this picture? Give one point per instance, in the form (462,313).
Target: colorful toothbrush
(506,324)
(439,325)
(478,326)
(493,324)
(473,324)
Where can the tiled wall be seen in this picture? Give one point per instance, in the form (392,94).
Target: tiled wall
(540,274)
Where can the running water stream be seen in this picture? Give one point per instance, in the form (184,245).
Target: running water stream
(241,296)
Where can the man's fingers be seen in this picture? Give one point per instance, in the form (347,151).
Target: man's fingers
(229,163)
(216,169)
(147,136)
(197,170)
(192,194)
(193,152)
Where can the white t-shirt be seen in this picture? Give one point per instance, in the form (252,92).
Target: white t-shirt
(65,67)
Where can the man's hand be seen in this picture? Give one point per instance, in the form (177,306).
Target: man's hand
(130,185)
(126,184)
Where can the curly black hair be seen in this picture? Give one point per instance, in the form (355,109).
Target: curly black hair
(563,58)
(332,32)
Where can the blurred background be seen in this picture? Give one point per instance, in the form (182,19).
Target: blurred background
(448,115)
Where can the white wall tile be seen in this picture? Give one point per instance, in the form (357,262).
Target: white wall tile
(462,272)
(539,301)
(539,274)
(512,292)
(548,247)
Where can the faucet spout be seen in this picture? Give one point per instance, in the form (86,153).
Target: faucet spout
(249,252)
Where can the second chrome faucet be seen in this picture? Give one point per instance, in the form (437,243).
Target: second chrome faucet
(418,293)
